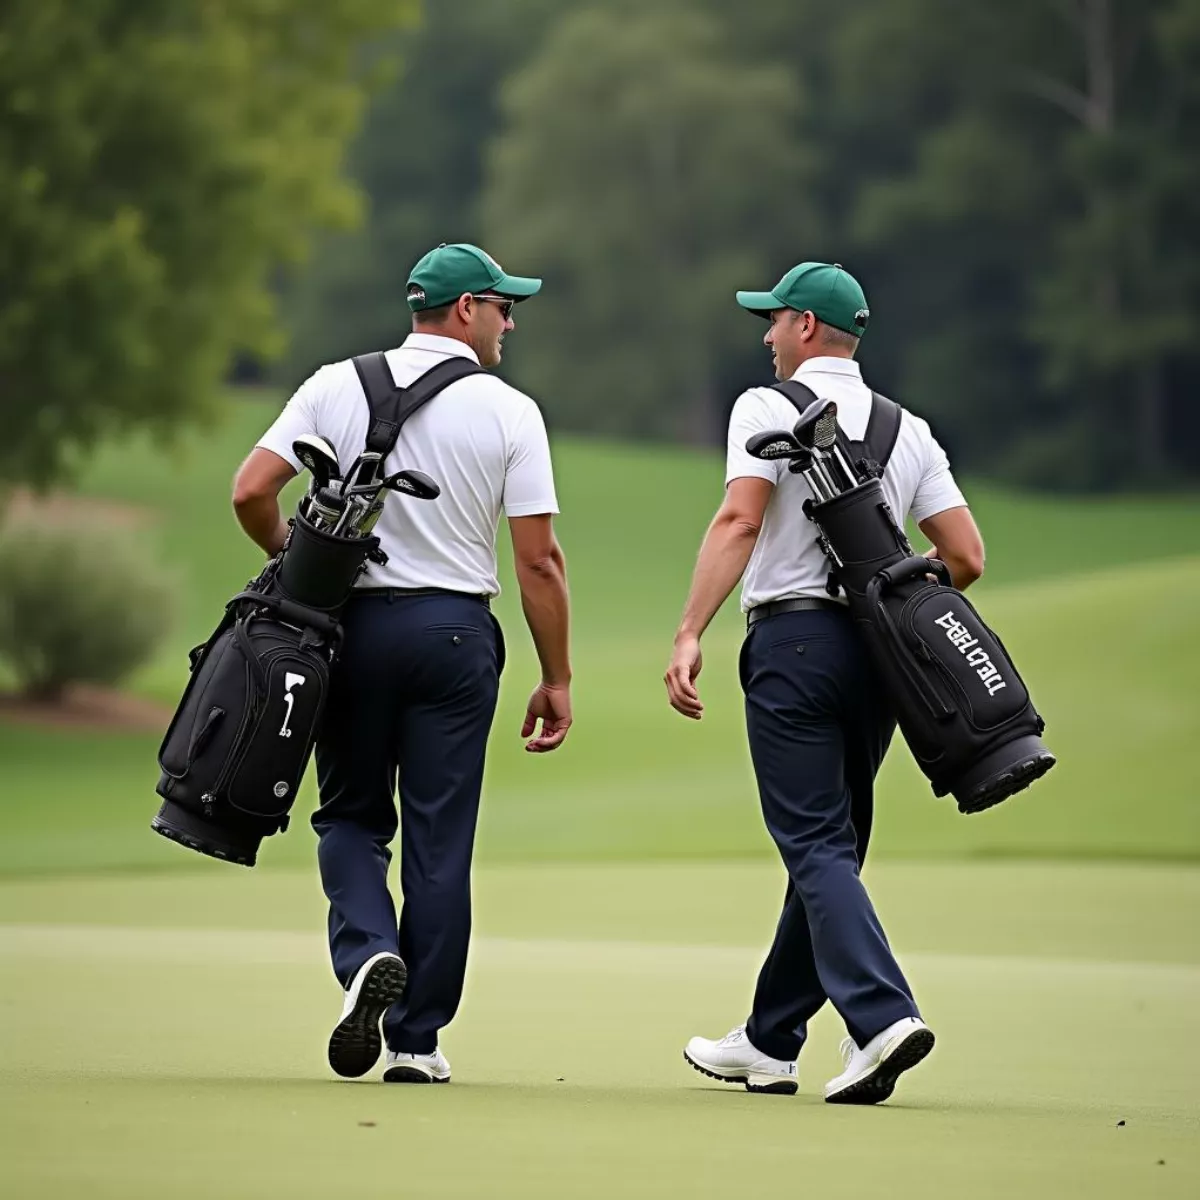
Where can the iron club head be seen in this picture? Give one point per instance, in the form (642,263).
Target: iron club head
(416,484)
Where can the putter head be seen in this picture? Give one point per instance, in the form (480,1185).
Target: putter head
(416,484)
(317,457)
(817,427)
(773,445)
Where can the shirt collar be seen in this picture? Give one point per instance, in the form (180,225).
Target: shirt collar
(828,365)
(437,344)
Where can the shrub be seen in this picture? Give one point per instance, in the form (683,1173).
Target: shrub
(79,603)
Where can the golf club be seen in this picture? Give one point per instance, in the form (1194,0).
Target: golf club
(776,444)
(412,483)
(324,508)
(362,473)
(773,445)
(318,457)
(817,427)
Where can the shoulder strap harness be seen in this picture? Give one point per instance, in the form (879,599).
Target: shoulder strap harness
(391,406)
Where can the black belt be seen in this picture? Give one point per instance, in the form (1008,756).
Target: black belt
(396,593)
(801,604)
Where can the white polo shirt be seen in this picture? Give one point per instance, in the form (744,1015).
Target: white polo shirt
(481,440)
(787,562)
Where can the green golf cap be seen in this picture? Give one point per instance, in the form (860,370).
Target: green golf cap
(448,272)
(830,293)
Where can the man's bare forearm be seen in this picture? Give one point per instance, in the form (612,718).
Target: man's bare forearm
(962,572)
(723,556)
(546,604)
(263,522)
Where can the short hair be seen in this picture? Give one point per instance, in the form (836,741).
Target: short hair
(433,316)
(832,336)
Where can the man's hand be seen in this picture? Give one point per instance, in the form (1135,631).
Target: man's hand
(552,706)
(684,669)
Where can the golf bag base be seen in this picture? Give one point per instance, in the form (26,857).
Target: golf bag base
(960,703)
(180,825)
(237,747)
(1003,772)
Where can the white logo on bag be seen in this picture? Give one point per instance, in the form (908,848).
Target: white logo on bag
(960,638)
(290,680)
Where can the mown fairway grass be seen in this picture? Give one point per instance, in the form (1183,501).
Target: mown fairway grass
(165,1036)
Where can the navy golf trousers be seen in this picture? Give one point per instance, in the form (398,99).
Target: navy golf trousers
(819,727)
(412,699)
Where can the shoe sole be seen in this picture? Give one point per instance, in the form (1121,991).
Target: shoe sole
(881,1082)
(356,1043)
(412,1075)
(784,1087)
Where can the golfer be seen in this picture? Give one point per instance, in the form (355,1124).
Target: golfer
(414,691)
(817,720)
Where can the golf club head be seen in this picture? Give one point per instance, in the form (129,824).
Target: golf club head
(773,445)
(362,472)
(817,427)
(324,508)
(416,484)
(801,461)
(318,457)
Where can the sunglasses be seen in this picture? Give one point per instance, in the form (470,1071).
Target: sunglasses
(505,305)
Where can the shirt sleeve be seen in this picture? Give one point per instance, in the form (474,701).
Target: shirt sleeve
(751,414)
(936,492)
(299,416)
(529,475)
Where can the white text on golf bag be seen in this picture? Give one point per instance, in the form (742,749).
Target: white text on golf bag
(960,638)
(290,680)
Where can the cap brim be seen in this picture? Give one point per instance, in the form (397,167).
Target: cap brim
(761,304)
(517,287)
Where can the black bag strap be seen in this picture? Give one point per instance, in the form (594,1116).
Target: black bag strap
(870,456)
(390,405)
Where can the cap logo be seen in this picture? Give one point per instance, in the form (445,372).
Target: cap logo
(416,293)
(860,317)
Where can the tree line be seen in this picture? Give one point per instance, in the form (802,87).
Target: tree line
(1015,186)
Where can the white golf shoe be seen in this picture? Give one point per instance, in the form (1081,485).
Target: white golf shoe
(355,1044)
(416,1068)
(735,1059)
(871,1072)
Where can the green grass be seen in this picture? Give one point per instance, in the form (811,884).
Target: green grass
(631,522)
(162,1031)
(166,1037)
(1105,630)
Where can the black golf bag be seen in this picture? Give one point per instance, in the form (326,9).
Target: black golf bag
(963,708)
(237,747)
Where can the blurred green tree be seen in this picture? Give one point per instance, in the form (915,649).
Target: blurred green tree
(636,160)
(157,164)
(419,161)
(1037,231)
